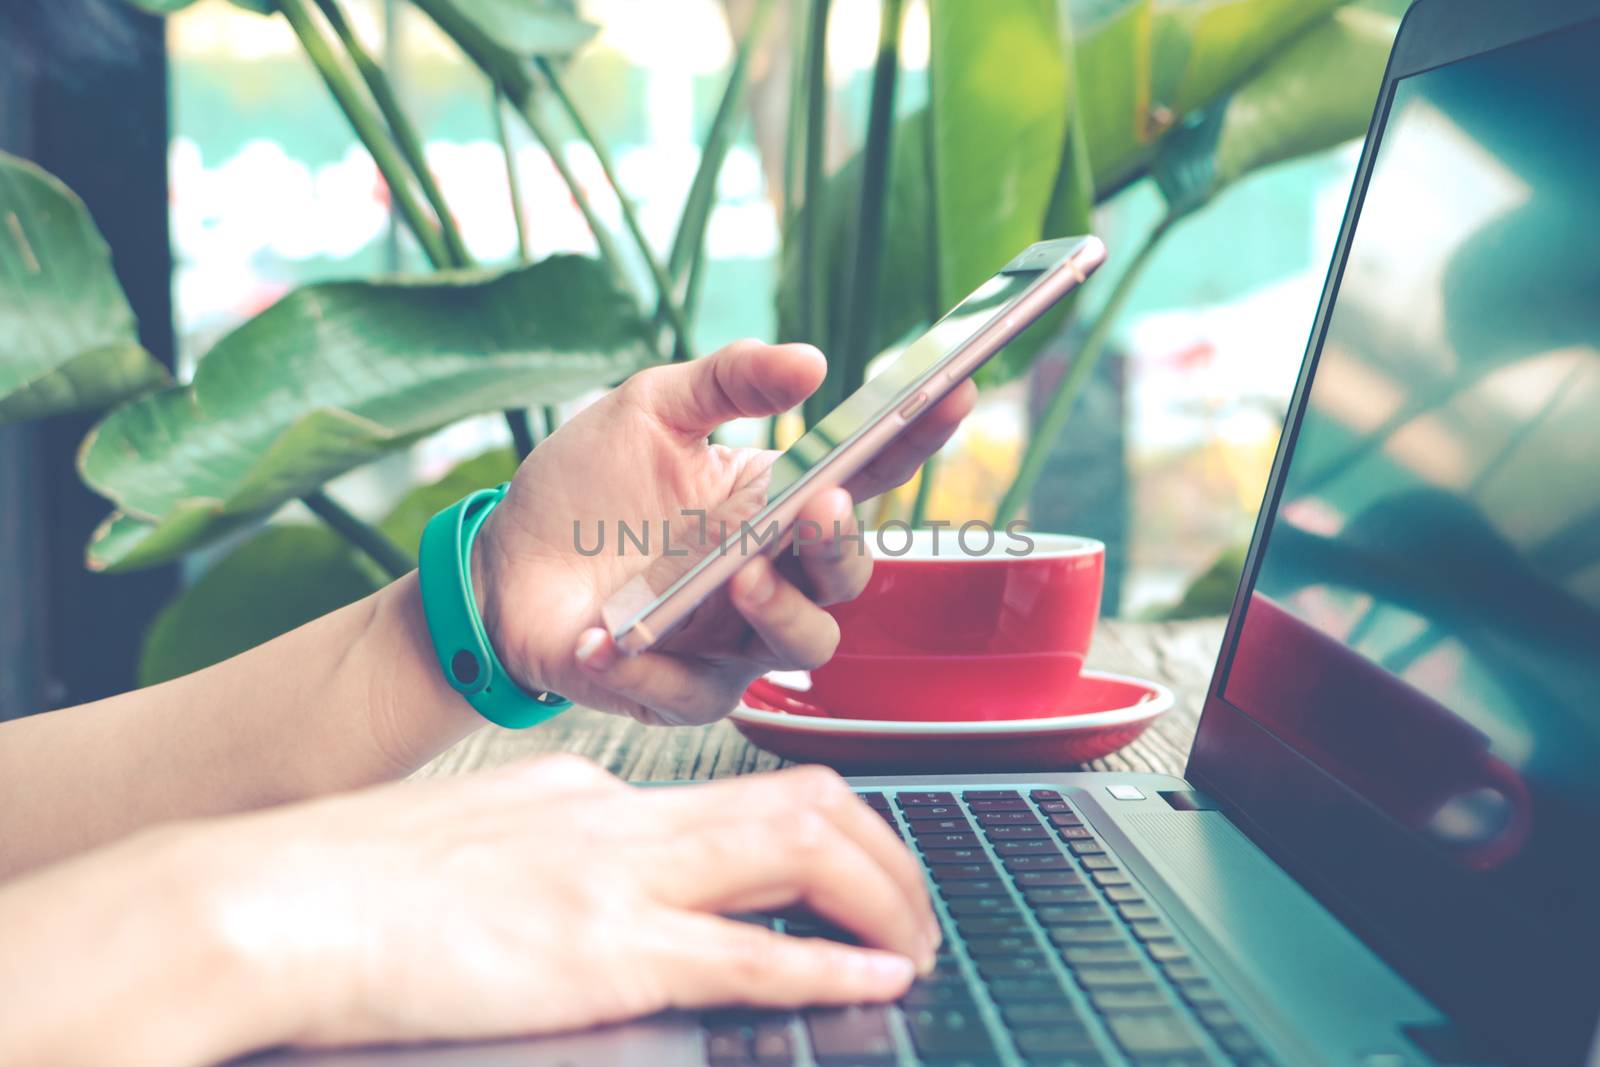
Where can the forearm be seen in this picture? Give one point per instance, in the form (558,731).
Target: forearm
(115,958)
(352,698)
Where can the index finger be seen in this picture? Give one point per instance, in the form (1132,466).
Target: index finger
(897,463)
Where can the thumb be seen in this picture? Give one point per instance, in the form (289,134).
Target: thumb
(747,379)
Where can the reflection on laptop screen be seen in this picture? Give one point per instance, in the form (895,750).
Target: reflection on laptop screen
(1425,624)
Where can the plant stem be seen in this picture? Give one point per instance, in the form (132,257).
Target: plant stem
(522,438)
(1077,374)
(688,244)
(666,298)
(369,127)
(919,507)
(809,217)
(405,135)
(552,418)
(513,183)
(861,286)
(394,560)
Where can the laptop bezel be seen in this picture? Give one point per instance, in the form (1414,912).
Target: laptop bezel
(1271,791)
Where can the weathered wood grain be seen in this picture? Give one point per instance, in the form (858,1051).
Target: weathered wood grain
(1180,655)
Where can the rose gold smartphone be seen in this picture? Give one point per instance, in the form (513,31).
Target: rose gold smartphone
(851,435)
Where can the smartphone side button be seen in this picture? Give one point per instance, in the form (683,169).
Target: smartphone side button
(908,411)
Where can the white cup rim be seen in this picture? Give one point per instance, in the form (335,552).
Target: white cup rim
(969,544)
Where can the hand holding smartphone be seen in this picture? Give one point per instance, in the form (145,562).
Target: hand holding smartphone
(853,434)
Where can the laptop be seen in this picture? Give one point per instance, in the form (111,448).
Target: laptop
(1385,851)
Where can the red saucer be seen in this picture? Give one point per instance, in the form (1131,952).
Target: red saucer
(1099,715)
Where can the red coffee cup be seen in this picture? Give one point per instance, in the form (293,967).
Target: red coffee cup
(952,627)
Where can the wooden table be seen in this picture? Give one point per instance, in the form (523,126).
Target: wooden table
(1180,654)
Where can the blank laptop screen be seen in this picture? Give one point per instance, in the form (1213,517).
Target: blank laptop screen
(1425,621)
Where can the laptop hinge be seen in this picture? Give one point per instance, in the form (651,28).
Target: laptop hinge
(1189,800)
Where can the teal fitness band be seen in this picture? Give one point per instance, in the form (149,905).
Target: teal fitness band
(444,570)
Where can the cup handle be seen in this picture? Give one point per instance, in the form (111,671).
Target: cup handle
(1509,841)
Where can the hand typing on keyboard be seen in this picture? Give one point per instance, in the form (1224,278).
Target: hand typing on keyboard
(540,897)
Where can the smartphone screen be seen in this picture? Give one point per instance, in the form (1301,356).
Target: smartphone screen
(868,403)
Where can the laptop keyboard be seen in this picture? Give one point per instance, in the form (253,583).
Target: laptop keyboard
(1052,956)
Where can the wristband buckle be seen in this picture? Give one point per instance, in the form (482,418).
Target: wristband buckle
(460,641)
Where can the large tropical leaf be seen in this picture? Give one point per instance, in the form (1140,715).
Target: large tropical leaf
(1317,93)
(337,374)
(289,575)
(68,340)
(999,89)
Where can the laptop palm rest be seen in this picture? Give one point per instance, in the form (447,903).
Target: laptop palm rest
(1285,954)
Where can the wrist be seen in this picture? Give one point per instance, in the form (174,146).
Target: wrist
(490,568)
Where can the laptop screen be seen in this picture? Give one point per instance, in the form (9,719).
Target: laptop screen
(1424,624)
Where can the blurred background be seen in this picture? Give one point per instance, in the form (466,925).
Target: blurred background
(1170,436)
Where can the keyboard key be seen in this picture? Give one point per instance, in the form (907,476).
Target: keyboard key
(1080,955)
(1030,966)
(728,1046)
(942,1032)
(1110,876)
(1037,863)
(1217,1015)
(1063,914)
(1073,831)
(973,887)
(1127,998)
(983,925)
(909,799)
(1006,818)
(1151,931)
(1181,970)
(1123,894)
(955,872)
(853,1035)
(1042,895)
(773,1046)
(1167,952)
(1087,934)
(1118,975)
(1006,990)
(1001,945)
(960,906)
(965,840)
(940,826)
(1036,1041)
(991,794)
(1152,1032)
(1083,847)
(998,805)
(1027,879)
(1199,993)
(1044,847)
(938,994)
(1040,1012)
(1098,863)
(1015,833)
(1045,794)
(955,855)
(933,811)
(1136,912)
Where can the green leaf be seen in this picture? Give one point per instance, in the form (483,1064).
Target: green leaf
(404,524)
(523,28)
(68,340)
(1203,48)
(1000,97)
(291,574)
(282,578)
(335,375)
(1111,46)
(1319,92)
(1316,94)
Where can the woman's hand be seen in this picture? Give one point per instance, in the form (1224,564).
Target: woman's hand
(548,895)
(640,456)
